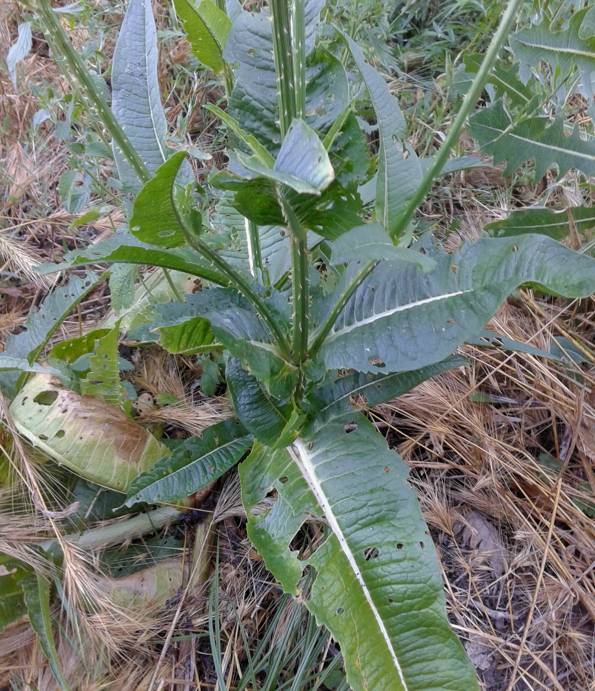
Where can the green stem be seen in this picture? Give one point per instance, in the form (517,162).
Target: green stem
(298,35)
(257,267)
(322,332)
(466,107)
(299,286)
(119,531)
(60,43)
(284,64)
(242,285)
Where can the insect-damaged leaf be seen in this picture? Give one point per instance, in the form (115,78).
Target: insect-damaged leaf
(377,584)
(207,28)
(91,438)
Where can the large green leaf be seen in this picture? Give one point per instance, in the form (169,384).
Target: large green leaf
(124,248)
(192,465)
(42,323)
(377,584)
(187,338)
(259,412)
(535,139)
(563,50)
(93,439)
(207,28)
(36,592)
(136,101)
(391,128)
(346,394)
(554,224)
(155,216)
(402,319)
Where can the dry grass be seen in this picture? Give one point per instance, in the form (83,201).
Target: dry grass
(515,536)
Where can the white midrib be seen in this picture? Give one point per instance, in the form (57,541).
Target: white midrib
(148,70)
(541,145)
(388,313)
(303,458)
(556,49)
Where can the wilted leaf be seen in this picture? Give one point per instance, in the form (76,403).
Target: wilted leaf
(93,439)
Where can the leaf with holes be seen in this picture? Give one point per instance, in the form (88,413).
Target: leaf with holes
(91,438)
(377,584)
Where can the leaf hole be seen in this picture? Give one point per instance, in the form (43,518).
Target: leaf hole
(376,362)
(46,397)
(283,479)
(340,610)
(371,553)
(422,544)
(350,427)
(400,545)
(60,433)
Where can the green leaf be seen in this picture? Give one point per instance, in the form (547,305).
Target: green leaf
(155,216)
(103,378)
(391,128)
(264,157)
(206,27)
(377,584)
(42,323)
(402,319)
(532,139)
(136,101)
(193,464)
(302,162)
(258,411)
(90,437)
(12,606)
(352,392)
(188,338)
(122,279)
(123,248)
(565,50)
(8,363)
(554,224)
(370,241)
(504,79)
(36,592)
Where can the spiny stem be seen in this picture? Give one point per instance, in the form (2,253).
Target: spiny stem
(298,35)
(61,44)
(284,63)
(466,107)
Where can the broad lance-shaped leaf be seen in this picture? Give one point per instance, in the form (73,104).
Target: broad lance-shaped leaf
(155,216)
(535,139)
(302,162)
(12,607)
(391,128)
(136,101)
(206,27)
(126,249)
(36,593)
(93,439)
(258,411)
(554,224)
(192,465)
(353,392)
(401,319)
(41,324)
(377,584)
